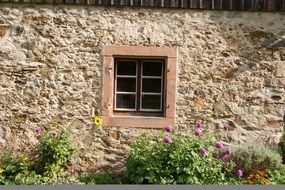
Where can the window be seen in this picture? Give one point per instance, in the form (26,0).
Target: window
(139,86)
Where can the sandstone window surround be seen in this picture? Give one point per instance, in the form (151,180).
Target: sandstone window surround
(113,119)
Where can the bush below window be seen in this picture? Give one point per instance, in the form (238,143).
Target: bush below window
(173,158)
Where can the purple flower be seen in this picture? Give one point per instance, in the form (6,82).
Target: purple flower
(229,152)
(53,134)
(197,132)
(226,127)
(199,126)
(38,130)
(168,128)
(239,173)
(167,139)
(202,151)
(222,155)
(219,145)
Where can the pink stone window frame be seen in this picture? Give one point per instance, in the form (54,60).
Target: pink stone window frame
(112,120)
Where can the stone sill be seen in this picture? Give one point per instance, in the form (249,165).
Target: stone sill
(137,121)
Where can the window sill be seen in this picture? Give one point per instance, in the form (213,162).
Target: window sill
(137,121)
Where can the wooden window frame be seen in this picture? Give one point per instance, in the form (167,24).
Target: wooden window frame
(112,118)
(139,90)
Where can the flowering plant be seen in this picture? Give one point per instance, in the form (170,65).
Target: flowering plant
(98,121)
(174,158)
(260,177)
(46,167)
(54,152)
(16,168)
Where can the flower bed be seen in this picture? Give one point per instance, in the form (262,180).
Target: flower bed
(171,157)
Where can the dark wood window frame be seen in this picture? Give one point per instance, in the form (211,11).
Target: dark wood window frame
(139,110)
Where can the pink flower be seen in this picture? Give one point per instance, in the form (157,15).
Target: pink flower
(226,127)
(222,155)
(202,151)
(239,173)
(229,152)
(167,139)
(168,128)
(197,132)
(219,145)
(53,134)
(38,130)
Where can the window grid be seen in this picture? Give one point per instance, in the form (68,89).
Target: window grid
(152,93)
(139,63)
(126,93)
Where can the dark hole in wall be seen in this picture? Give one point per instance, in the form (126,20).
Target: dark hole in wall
(276,97)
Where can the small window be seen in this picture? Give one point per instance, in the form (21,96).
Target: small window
(139,85)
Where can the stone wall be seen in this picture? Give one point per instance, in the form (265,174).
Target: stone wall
(231,68)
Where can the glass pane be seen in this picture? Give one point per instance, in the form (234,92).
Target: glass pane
(152,68)
(151,101)
(126,84)
(126,68)
(126,101)
(151,85)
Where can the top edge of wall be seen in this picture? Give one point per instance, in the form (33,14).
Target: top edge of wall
(234,5)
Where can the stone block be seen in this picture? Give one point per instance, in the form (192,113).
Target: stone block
(280,69)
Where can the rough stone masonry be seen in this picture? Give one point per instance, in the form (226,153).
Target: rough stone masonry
(51,62)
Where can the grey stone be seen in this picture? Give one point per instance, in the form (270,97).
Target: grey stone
(272,42)
(279,43)
(250,54)
(216,15)
(267,42)
(234,14)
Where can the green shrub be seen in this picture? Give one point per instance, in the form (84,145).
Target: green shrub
(47,167)
(16,169)
(256,158)
(54,152)
(62,177)
(104,178)
(157,161)
(277,175)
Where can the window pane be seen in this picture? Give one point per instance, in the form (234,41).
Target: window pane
(126,101)
(126,84)
(151,101)
(151,85)
(126,68)
(152,68)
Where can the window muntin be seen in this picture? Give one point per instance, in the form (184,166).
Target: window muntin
(147,94)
